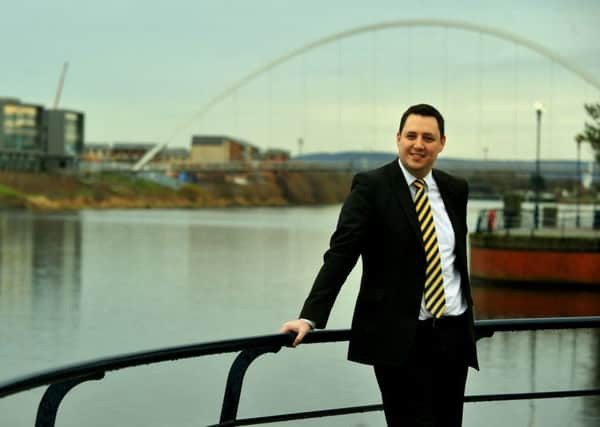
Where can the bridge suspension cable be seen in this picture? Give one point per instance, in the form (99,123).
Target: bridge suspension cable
(462,25)
(553,56)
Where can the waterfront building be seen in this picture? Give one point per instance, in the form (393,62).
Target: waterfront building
(222,149)
(130,152)
(21,135)
(21,126)
(276,155)
(65,138)
(33,138)
(127,153)
(96,152)
(173,155)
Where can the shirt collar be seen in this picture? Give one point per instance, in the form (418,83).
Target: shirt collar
(410,178)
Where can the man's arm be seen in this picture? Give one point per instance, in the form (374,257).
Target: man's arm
(345,247)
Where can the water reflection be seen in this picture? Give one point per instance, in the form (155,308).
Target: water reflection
(591,407)
(504,302)
(555,358)
(80,286)
(56,266)
(40,281)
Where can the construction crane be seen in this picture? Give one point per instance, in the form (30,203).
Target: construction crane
(61,83)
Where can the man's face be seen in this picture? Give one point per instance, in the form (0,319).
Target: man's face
(419,144)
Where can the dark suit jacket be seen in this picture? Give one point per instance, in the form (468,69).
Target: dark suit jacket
(378,221)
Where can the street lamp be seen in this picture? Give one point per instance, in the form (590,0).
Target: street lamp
(578,140)
(539,108)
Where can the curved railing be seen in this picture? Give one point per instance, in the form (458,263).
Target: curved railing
(62,380)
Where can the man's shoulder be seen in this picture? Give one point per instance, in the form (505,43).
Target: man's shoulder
(454,179)
(451,184)
(378,174)
(374,181)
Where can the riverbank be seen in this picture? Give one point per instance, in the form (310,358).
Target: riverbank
(119,191)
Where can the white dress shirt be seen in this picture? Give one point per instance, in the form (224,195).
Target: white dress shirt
(455,303)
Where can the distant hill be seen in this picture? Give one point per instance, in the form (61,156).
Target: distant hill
(351,158)
(362,160)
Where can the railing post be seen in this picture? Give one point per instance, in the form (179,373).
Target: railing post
(483,332)
(48,407)
(233,389)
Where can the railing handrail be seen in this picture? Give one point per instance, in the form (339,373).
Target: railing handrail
(552,217)
(484,328)
(128,360)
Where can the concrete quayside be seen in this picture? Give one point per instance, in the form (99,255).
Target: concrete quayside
(507,248)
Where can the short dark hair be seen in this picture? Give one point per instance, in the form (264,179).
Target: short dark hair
(423,110)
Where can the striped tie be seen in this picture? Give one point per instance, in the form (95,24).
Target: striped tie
(435,300)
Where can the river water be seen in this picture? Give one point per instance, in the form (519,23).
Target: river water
(83,285)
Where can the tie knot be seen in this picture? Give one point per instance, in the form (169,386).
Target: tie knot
(419,184)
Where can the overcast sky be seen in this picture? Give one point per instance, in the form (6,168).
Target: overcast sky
(142,71)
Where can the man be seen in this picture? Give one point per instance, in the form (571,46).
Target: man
(413,319)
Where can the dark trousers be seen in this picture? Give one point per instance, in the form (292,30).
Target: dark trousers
(428,389)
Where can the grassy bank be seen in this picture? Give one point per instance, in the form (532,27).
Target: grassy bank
(106,191)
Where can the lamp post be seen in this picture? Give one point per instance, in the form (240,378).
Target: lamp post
(539,108)
(578,140)
(300,146)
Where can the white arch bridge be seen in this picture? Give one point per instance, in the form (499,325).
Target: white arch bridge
(589,80)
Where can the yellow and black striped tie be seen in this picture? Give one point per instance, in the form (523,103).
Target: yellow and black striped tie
(435,299)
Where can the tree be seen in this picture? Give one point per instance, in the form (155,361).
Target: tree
(591,131)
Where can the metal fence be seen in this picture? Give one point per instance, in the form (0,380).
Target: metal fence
(60,381)
(551,217)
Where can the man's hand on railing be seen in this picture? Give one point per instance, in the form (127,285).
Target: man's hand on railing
(301,327)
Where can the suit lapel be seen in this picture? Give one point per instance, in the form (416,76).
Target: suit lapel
(402,195)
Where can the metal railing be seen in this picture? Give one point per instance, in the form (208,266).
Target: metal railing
(221,167)
(60,381)
(551,218)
